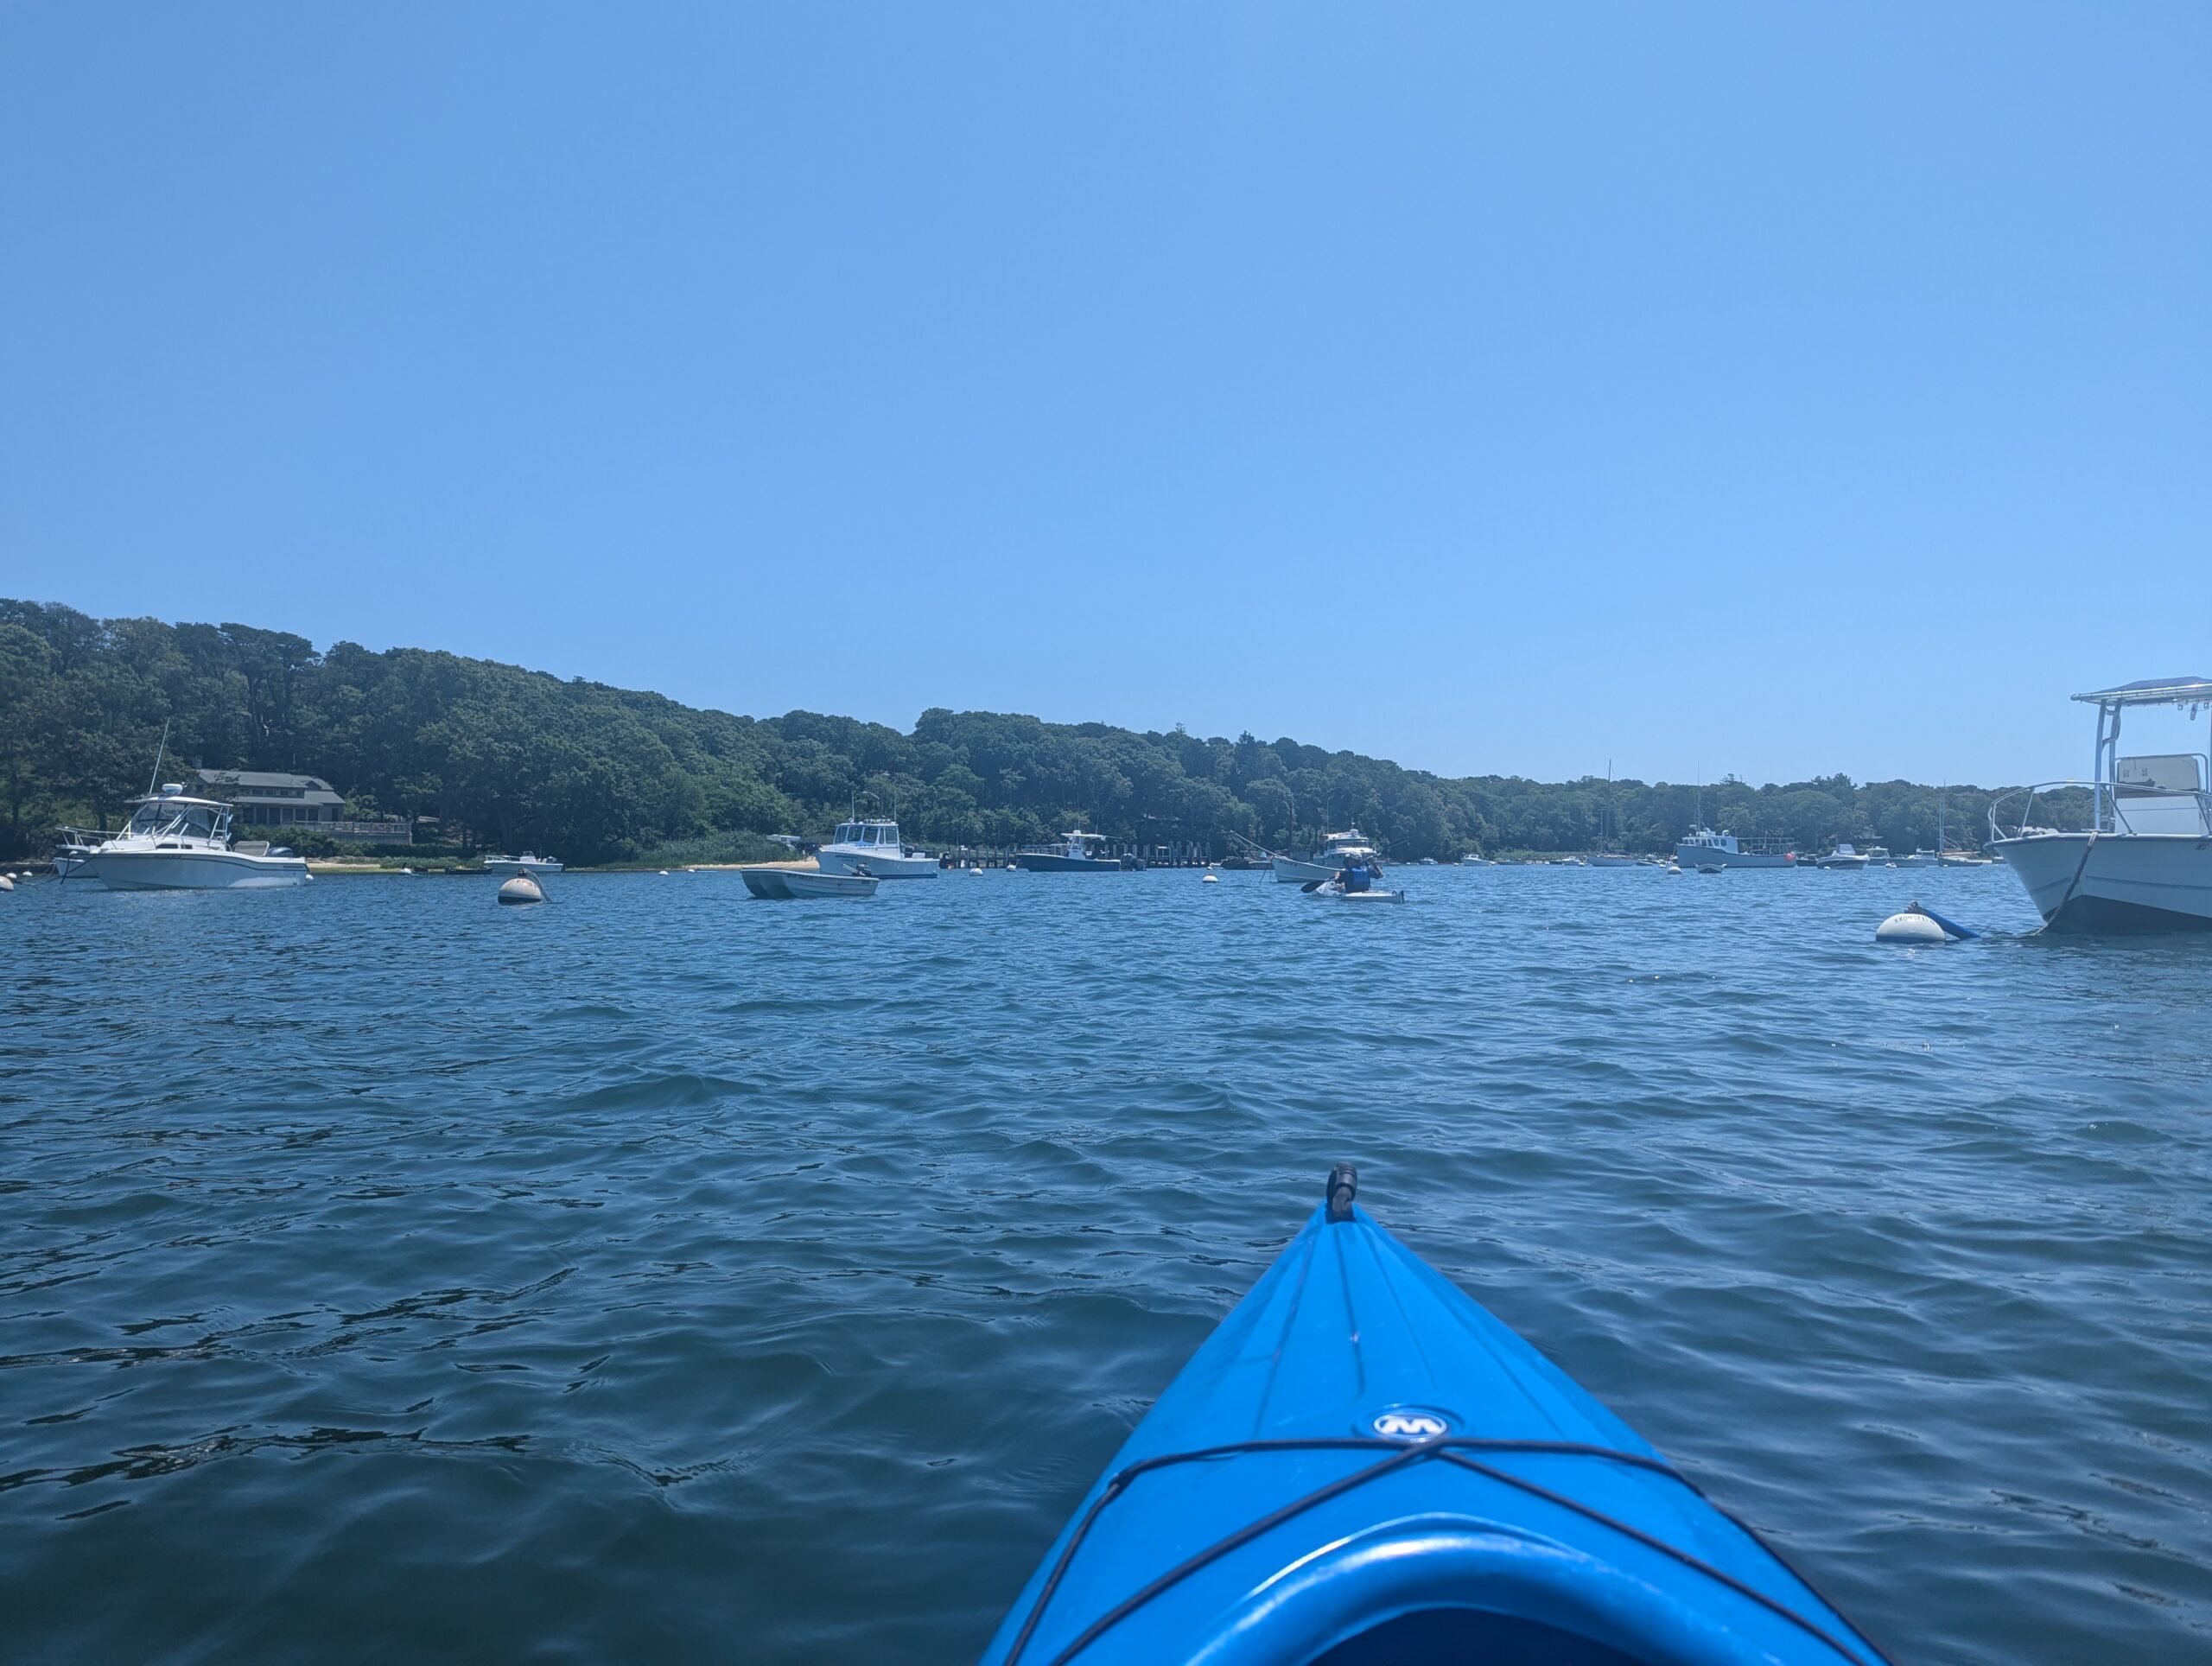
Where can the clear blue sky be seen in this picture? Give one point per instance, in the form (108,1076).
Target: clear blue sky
(1753,388)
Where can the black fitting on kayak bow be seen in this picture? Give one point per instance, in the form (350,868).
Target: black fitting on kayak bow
(1344,1186)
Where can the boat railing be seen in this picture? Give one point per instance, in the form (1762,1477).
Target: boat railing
(2107,809)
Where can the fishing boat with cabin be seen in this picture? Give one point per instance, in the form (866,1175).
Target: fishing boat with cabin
(1706,848)
(1339,851)
(1075,853)
(874,845)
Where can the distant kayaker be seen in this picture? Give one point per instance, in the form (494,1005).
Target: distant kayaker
(1354,876)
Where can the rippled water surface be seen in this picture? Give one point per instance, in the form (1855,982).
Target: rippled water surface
(660,1274)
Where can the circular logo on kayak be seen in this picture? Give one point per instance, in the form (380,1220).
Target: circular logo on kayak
(1409,1423)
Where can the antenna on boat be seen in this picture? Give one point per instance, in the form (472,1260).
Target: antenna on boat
(154,780)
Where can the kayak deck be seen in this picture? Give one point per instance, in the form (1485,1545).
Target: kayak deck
(1362,1466)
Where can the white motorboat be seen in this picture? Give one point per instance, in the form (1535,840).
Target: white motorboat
(1704,847)
(876,845)
(1337,849)
(1844,859)
(1612,859)
(528,862)
(2143,862)
(801,884)
(176,843)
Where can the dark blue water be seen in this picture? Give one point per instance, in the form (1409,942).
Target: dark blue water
(663,1274)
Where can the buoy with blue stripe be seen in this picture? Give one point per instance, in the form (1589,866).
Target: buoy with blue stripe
(1919,923)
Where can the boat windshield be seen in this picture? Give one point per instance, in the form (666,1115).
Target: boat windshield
(174,820)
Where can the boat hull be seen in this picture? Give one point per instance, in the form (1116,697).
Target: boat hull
(1702,856)
(190,870)
(517,865)
(802,885)
(882,865)
(2115,883)
(1045,861)
(1301,1481)
(1289,870)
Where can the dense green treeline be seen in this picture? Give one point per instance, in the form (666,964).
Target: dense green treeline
(506,757)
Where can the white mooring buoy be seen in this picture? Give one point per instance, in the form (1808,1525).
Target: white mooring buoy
(1909,927)
(1210,878)
(6,884)
(522,889)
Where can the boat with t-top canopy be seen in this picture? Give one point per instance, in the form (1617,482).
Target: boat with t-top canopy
(2141,860)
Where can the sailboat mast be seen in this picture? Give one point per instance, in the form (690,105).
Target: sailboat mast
(154,779)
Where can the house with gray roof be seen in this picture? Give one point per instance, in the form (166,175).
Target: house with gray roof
(267,798)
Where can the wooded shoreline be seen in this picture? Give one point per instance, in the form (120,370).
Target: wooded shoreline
(484,756)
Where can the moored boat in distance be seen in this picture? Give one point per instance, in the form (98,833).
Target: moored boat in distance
(1362,1467)
(1844,859)
(528,862)
(876,844)
(2145,861)
(1337,850)
(1075,853)
(803,884)
(177,843)
(1606,855)
(1706,847)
